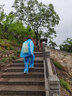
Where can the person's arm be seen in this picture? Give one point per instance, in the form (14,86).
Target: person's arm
(32,47)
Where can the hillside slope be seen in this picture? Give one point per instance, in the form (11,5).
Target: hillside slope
(63,64)
(9,51)
(64,58)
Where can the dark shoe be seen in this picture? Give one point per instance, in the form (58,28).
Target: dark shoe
(25,72)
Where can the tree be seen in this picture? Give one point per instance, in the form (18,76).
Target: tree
(41,17)
(9,19)
(2,14)
(52,44)
(2,17)
(19,32)
(67,45)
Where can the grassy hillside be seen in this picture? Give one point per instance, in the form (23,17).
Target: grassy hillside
(65,79)
(9,51)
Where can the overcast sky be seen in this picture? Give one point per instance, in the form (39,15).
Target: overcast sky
(64,10)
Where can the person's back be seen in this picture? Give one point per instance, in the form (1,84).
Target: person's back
(27,52)
(27,48)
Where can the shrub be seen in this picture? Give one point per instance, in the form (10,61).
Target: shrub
(64,84)
(4,60)
(18,51)
(10,58)
(59,66)
(67,45)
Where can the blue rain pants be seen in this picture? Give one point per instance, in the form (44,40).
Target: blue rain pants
(28,63)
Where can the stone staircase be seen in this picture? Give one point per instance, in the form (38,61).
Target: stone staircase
(13,81)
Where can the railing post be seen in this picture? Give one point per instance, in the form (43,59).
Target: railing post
(54,86)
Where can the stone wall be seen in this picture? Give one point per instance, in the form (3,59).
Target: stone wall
(64,58)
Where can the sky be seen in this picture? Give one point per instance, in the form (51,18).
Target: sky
(63,8)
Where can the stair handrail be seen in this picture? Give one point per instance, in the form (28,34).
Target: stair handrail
(51,79)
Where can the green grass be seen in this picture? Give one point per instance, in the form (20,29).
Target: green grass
(1,49)
(18,51)
(59,66)
(7,44)
(4,43)
(4,60)
(10,58)
(65,84)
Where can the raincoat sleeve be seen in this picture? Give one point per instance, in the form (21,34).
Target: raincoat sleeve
(21,53)
(31,47)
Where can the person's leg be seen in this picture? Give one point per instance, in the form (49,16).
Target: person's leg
(31,65)
(26,62)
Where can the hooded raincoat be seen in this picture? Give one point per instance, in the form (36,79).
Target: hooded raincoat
(27,52)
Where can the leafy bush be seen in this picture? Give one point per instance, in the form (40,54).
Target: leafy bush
(8,44)
(18,51)
(3,59)
(52,44)
(65,84)
(17,32)
(14,30)
(5,43)
(67,45)
(59,66)
(1,49)
(10,58)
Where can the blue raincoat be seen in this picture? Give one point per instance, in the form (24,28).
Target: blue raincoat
(27,52)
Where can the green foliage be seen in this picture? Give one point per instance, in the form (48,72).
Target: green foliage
(10,58)
(18,51)
(67,45)
(10,18)
(59,66)
(2,14)
(1,49)
(18,32)
(3,59)
(2,17)
(5,44)
(13,29)
(65,84)
(38,15)
(52,44)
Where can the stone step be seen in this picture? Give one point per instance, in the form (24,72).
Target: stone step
(38,54)
(21,69)
(22,75)
(22,90)
(14,82)
(22,81)
(22,65)
(22,95)
(21,61)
